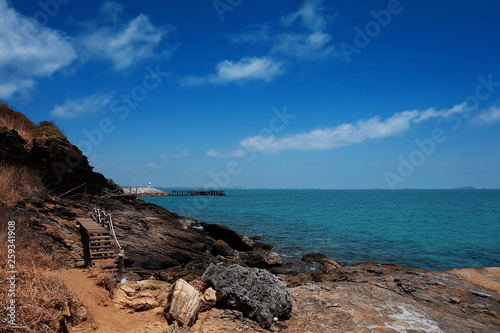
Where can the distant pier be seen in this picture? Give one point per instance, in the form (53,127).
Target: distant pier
(198,192)
(139,191)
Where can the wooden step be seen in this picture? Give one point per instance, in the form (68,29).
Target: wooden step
(98,233)
(104,263)
(100,241)
(100,237)
(100,247)
(100,252)
(102,255)
(95,245)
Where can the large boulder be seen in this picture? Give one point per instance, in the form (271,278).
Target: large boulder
(184,305)
(217,231)
(257,293)
(222,248)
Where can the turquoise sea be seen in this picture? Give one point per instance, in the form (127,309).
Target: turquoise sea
(429,229)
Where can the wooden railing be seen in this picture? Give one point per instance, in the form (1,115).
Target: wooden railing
(105,221)
(84,184)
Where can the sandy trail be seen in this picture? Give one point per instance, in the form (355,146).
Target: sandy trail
(107,315)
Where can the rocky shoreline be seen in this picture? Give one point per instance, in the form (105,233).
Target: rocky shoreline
(164,248)
(191,276)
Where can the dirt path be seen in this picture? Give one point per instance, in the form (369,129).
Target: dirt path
(107,316)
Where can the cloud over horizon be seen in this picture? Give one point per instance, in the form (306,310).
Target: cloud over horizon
(340,136)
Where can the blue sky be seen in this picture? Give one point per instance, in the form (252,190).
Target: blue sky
(260,94)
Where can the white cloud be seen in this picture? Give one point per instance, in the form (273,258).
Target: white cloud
(235,153)
(166,158)
(74,108)
(112,11)
(330,138)
(492,116)
(153,166)
(28,51)
(314,45)
(344,134)
(311,42)
(124,44)
(13,86)
(260,34)
(445,113)
(243,70)
(310,15)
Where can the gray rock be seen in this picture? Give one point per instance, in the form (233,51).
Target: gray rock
(257,293)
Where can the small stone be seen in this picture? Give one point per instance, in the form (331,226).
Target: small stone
(210,295)
(128,290)
(455,300)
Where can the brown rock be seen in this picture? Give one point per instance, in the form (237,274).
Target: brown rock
(143,304)
(217,231)
(313,257)
(210,295)
(185,304)
(328,265)
(128,290)
(262,259)
(222,248)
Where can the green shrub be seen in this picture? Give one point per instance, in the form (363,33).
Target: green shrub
(49,130)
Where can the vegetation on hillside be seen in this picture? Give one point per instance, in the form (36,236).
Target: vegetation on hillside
(17,121)
(42,299)
(19,182)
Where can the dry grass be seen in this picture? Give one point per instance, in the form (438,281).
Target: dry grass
(104,279)
(14,120)
(17,121)
(42,298)
(18,182)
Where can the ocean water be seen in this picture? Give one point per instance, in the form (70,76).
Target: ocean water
(429,229)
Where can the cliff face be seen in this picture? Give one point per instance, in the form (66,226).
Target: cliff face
(61,165)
